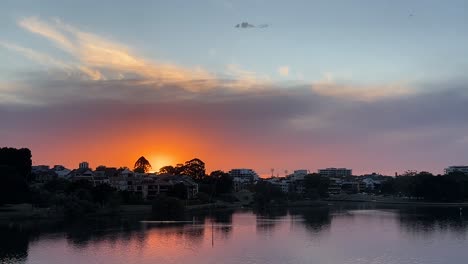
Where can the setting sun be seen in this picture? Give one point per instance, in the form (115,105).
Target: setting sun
(158,161)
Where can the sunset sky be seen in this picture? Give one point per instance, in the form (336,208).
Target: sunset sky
(373,85)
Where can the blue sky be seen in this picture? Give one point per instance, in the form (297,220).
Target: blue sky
(360,41)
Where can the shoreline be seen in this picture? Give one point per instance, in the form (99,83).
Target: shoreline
(26,212)
(409,203)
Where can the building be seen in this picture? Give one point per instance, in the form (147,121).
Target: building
(335,172)
(61,171)
(334,187)
(244,174)
(298,175)
(281,183)
(462,169)
(42,173)
(83,165)
(243,177)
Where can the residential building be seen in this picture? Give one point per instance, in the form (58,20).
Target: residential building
(61,171)
(298,175)
(83,165)
(281,183)
(334,187)
(335,172)
(42,173)
(243,177)
(463,169)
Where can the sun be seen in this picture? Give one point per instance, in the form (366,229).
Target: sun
(158,161)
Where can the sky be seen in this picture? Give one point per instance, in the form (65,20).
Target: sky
(372,85)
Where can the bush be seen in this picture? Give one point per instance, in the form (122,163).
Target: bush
(167,207)
(74,206)
(203,197)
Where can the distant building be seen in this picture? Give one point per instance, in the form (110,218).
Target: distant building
(61,171)
(281,183)
(298,175)
(83,165)
(334,187)
(244,174)
(335,172)
(463,169)
(42,173)
(149,185)
(243,177)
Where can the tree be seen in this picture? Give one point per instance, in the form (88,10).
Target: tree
(195,168)
(142,165)
(14,188)
(15,172)
(167,170)
(17,159)
(316,186)
(223,181)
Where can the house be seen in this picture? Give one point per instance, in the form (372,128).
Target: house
(148,185)
(61,172)
(96,177)
(43,173)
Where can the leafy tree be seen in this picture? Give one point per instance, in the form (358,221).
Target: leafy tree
(17,159)
(167,207)
(223,182)
(102,193)
(265,192)
(168,170)
(142,165)
(195,168)
(316,186)
(13,187)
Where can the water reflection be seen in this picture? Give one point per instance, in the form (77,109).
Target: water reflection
(430,221)
(224,235)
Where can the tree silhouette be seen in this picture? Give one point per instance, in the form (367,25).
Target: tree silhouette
(195,168)
(142,165)
(168,170)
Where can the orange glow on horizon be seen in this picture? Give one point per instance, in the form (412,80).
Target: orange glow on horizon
(158,161)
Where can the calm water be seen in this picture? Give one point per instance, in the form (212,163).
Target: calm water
(339,234)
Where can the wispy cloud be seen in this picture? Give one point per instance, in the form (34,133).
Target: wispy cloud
(329,87)
(99,59)
(95,58)
(36,56)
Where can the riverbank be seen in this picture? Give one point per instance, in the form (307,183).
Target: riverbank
(362,198)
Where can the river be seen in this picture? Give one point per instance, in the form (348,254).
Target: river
(337,234)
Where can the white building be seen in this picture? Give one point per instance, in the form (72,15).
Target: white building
(298,175)
(463,169)
(244,175)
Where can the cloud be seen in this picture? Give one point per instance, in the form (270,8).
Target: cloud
(283,71)
(297,124)
(95,58)
(98,58)
(244,25)
(37,56)
(349,91)
(248,25)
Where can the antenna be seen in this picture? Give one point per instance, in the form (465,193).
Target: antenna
(272,172)
(285,172)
